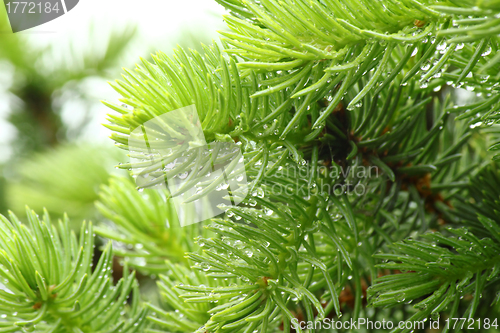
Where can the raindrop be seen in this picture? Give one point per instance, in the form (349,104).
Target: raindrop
(258,193)
(400,297)
(426,67)
(221,187)
(484,78)
(486,52)
(442,46)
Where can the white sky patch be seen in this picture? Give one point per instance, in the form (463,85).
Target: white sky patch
(160,24)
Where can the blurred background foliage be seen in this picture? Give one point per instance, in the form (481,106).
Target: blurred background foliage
(62,179)
(51,155)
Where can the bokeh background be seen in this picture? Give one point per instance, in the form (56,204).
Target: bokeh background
(54,151)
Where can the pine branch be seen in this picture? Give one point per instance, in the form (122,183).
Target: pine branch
(49,285)
(442,268)
(311,85)
(146,223)
(439,277)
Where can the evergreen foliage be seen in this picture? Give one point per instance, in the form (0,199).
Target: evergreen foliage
(324,98)
(147,222)
(63,179)
(49,282)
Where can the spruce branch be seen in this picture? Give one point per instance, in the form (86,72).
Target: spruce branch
(49,284)
(442,268)
(323,87)
(439,277)
(146,226)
